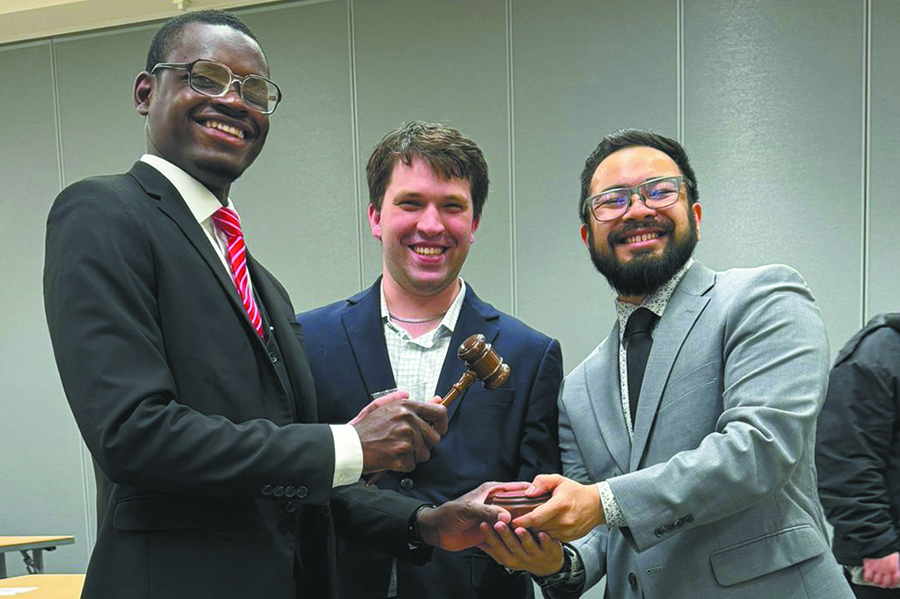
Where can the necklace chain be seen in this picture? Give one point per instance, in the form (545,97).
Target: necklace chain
(431,318)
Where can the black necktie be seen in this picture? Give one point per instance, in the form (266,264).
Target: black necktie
(637,349)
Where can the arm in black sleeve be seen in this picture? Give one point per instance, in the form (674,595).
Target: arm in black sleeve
(857,432)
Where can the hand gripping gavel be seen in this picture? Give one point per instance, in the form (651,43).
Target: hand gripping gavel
(483,363)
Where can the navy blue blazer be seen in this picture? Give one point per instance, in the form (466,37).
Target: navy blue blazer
(509,433)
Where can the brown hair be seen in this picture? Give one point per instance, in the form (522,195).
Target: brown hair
(447,152)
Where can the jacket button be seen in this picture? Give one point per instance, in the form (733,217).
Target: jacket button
(290,507)
(679,522)
(302,491)
(273,357)
(406,484)
(659,531)
(289,491)
(278,491)
(689,518)
(266,490)
(632,580)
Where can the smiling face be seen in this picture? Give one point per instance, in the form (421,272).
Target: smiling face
(212,139)
(640,251)
(426,226)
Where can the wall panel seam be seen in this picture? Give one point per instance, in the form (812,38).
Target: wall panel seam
(866,156)
(90,526)
(510,100)
(54,82)
(679,68)
(354,128)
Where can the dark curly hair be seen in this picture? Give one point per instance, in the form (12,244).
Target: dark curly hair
(168,34)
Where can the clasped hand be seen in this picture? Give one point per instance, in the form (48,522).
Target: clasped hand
(518,549)
(572,512)
(397,433)
(532,542)
(882,571)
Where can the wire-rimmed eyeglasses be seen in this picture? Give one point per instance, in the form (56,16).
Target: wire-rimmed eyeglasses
(659,192)
(214,79)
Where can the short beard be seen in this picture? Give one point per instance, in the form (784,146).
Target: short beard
(644,273)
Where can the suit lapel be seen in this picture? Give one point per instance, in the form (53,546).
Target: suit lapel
(172,205)
(475,316)
(682,311)
(293,352)
(605,396)
(365,332)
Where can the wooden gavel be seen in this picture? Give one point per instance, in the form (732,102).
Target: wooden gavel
(484,364)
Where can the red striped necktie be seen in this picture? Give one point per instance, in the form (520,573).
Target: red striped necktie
(228,223)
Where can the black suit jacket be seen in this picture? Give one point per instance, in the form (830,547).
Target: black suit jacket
(210,482)
(506,434)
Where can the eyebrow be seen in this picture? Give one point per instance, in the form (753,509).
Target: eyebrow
(412,195)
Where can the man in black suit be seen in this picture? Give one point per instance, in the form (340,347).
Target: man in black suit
(186,371)
(427,186)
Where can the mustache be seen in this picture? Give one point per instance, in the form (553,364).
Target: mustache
(626,229)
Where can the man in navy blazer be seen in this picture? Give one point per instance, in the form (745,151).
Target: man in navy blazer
(427,186)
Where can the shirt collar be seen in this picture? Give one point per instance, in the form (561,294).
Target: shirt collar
(656,302)
(200,201)
(448,322)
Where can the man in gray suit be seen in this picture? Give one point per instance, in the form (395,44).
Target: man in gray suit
(688,435)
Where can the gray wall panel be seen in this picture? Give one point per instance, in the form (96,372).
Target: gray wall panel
(102,133)
(772,112)
(883,273)
(577,76)
(778,153)
(41,477)
(441,61)
(299,199)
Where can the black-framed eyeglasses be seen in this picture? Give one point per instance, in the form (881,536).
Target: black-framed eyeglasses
(656,193)
(215,79)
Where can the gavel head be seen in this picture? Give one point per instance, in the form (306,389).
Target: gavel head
(481,359)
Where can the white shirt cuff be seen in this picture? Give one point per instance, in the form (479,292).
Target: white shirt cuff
(348,455)
(611,511)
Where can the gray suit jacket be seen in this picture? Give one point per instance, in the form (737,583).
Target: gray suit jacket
(719,485)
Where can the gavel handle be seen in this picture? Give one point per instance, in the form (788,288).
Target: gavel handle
(459,389)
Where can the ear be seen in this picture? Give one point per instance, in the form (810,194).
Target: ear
(584,236)
(697,209)
(475,224)
(144,86)
(375,221)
